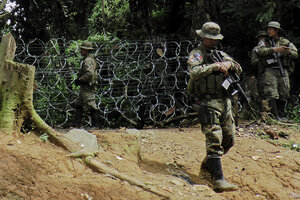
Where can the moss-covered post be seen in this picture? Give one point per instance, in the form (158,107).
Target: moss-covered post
(4,14)
(16,97)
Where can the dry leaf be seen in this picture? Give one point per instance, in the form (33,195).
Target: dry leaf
(160,52)
(169,111)
(272,134)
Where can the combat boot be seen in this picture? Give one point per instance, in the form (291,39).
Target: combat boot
(78,117)
(219,183)
(274,111)
(94,121)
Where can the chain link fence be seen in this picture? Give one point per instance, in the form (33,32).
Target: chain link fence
(140,83)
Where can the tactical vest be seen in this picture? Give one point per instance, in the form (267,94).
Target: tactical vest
(209,86)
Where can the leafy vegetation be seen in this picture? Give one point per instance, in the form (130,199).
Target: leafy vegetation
(44,137)
(293,110)
(290,144)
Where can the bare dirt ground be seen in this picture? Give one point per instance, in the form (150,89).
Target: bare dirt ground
(165,159)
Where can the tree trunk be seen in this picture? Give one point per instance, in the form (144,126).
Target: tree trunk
(16,97)
(5,14)
(140,11)
(204,11)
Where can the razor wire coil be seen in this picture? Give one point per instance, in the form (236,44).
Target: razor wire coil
(138,80)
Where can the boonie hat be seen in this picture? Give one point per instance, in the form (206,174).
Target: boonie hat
(274,24)
(261,33)
(87,45)
(210,30)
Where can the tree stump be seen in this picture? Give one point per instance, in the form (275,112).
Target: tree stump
(16,110)
(16,97)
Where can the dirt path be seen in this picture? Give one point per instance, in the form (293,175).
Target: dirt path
(165,159)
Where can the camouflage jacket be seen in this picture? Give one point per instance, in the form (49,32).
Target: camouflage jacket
(87,73)
(266,51)
(204,77)
(254,54)
(256,58)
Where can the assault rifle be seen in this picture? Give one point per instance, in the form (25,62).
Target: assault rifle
(232,80)
(276,60)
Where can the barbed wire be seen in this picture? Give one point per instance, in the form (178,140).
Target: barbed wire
(138,81)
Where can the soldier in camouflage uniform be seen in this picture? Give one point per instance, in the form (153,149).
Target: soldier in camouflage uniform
(255,62)
(277,54)
(86,79)
(212,101)
(261,37)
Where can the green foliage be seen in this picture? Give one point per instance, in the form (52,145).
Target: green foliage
(268,12)
(293,111)
(44,137)
(52,18)
(103,38)
(113,19)
(73,54)
(292,146)
(138,19)
(249,10)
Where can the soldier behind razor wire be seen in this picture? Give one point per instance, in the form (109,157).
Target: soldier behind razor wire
(276,63)
(87,78)
(213,102)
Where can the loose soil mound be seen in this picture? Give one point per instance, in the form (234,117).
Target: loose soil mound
(165,159)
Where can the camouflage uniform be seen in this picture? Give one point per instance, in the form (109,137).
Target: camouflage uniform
(254,90)
(255,58)
(216,110)
(87,78)
(274,85)
(212,101)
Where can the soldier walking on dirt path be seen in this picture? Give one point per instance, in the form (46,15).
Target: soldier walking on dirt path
(213,102)
(276,63)
(87,79)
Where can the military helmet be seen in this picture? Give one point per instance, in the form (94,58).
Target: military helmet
(210,30)
(261,33)
(87,45)
(274,24)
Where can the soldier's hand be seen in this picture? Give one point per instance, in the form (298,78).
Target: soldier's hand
(280,49)
(224,67)
(286,50)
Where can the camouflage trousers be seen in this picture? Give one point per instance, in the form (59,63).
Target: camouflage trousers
(86,97)
(274,86)
(219,130)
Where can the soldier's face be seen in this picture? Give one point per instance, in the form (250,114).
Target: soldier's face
(210,43)
(261,38)
(272,32)
(83,52)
